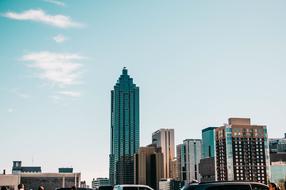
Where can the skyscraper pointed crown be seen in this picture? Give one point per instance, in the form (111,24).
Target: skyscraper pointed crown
(124,71)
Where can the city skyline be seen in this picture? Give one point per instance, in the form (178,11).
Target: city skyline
(196,63)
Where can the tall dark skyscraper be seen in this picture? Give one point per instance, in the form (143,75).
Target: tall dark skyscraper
(124,130)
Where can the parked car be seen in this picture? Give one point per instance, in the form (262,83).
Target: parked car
(229,185)
(77,188)
(132,187)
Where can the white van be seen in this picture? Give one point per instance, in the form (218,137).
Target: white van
(132,187)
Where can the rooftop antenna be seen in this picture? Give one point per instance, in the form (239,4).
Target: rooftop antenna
(124,71)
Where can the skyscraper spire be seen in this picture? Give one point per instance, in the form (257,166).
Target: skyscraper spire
(124,71)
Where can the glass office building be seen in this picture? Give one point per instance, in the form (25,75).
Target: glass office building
(208,142)
(189,155)
(124,129)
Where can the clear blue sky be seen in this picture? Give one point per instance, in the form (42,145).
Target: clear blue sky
(196,62)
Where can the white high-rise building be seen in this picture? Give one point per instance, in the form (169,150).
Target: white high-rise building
(193,155)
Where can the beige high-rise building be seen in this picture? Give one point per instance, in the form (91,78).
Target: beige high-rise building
(242,151)
(164,138)
(148,166)
(174,169)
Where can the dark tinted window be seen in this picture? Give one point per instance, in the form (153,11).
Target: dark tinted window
(229,187)
(191,187)
(143,188)
(130,188)
(105,187)
(258,187)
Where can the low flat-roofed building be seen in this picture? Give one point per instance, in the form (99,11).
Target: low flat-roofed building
(278,172)
(9,180)
(278,157)
(170,184)
(65,170)
(18,168)
(50,180)
(277,145)
(100,181)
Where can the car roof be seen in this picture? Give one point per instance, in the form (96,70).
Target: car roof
(232,182)
(132,185)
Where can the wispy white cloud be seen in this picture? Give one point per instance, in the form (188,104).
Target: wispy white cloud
(55,98)
(59,38)
(70,93)
(39,15)
(58,68)
(55,2)
(24,96)
(10,110)
(18,92)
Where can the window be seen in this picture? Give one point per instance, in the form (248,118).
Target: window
(143,188)
(191,187)
(229,187)
(130,188)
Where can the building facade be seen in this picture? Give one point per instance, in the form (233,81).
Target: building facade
(174,169)
(189,155)
(170,184)
(181,170)
(277,145)
(207,167)
(124,130)
(148,165)
(32,177)
(65,170)
(10,180)
(208,142)
(83,184)
(98,182)
(242,151)
(50,180)
(193,155)
(18,168)
(164,139)
(278,172)
(278,161)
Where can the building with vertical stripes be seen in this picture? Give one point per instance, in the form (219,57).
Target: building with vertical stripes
(124,141)
(164,139)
